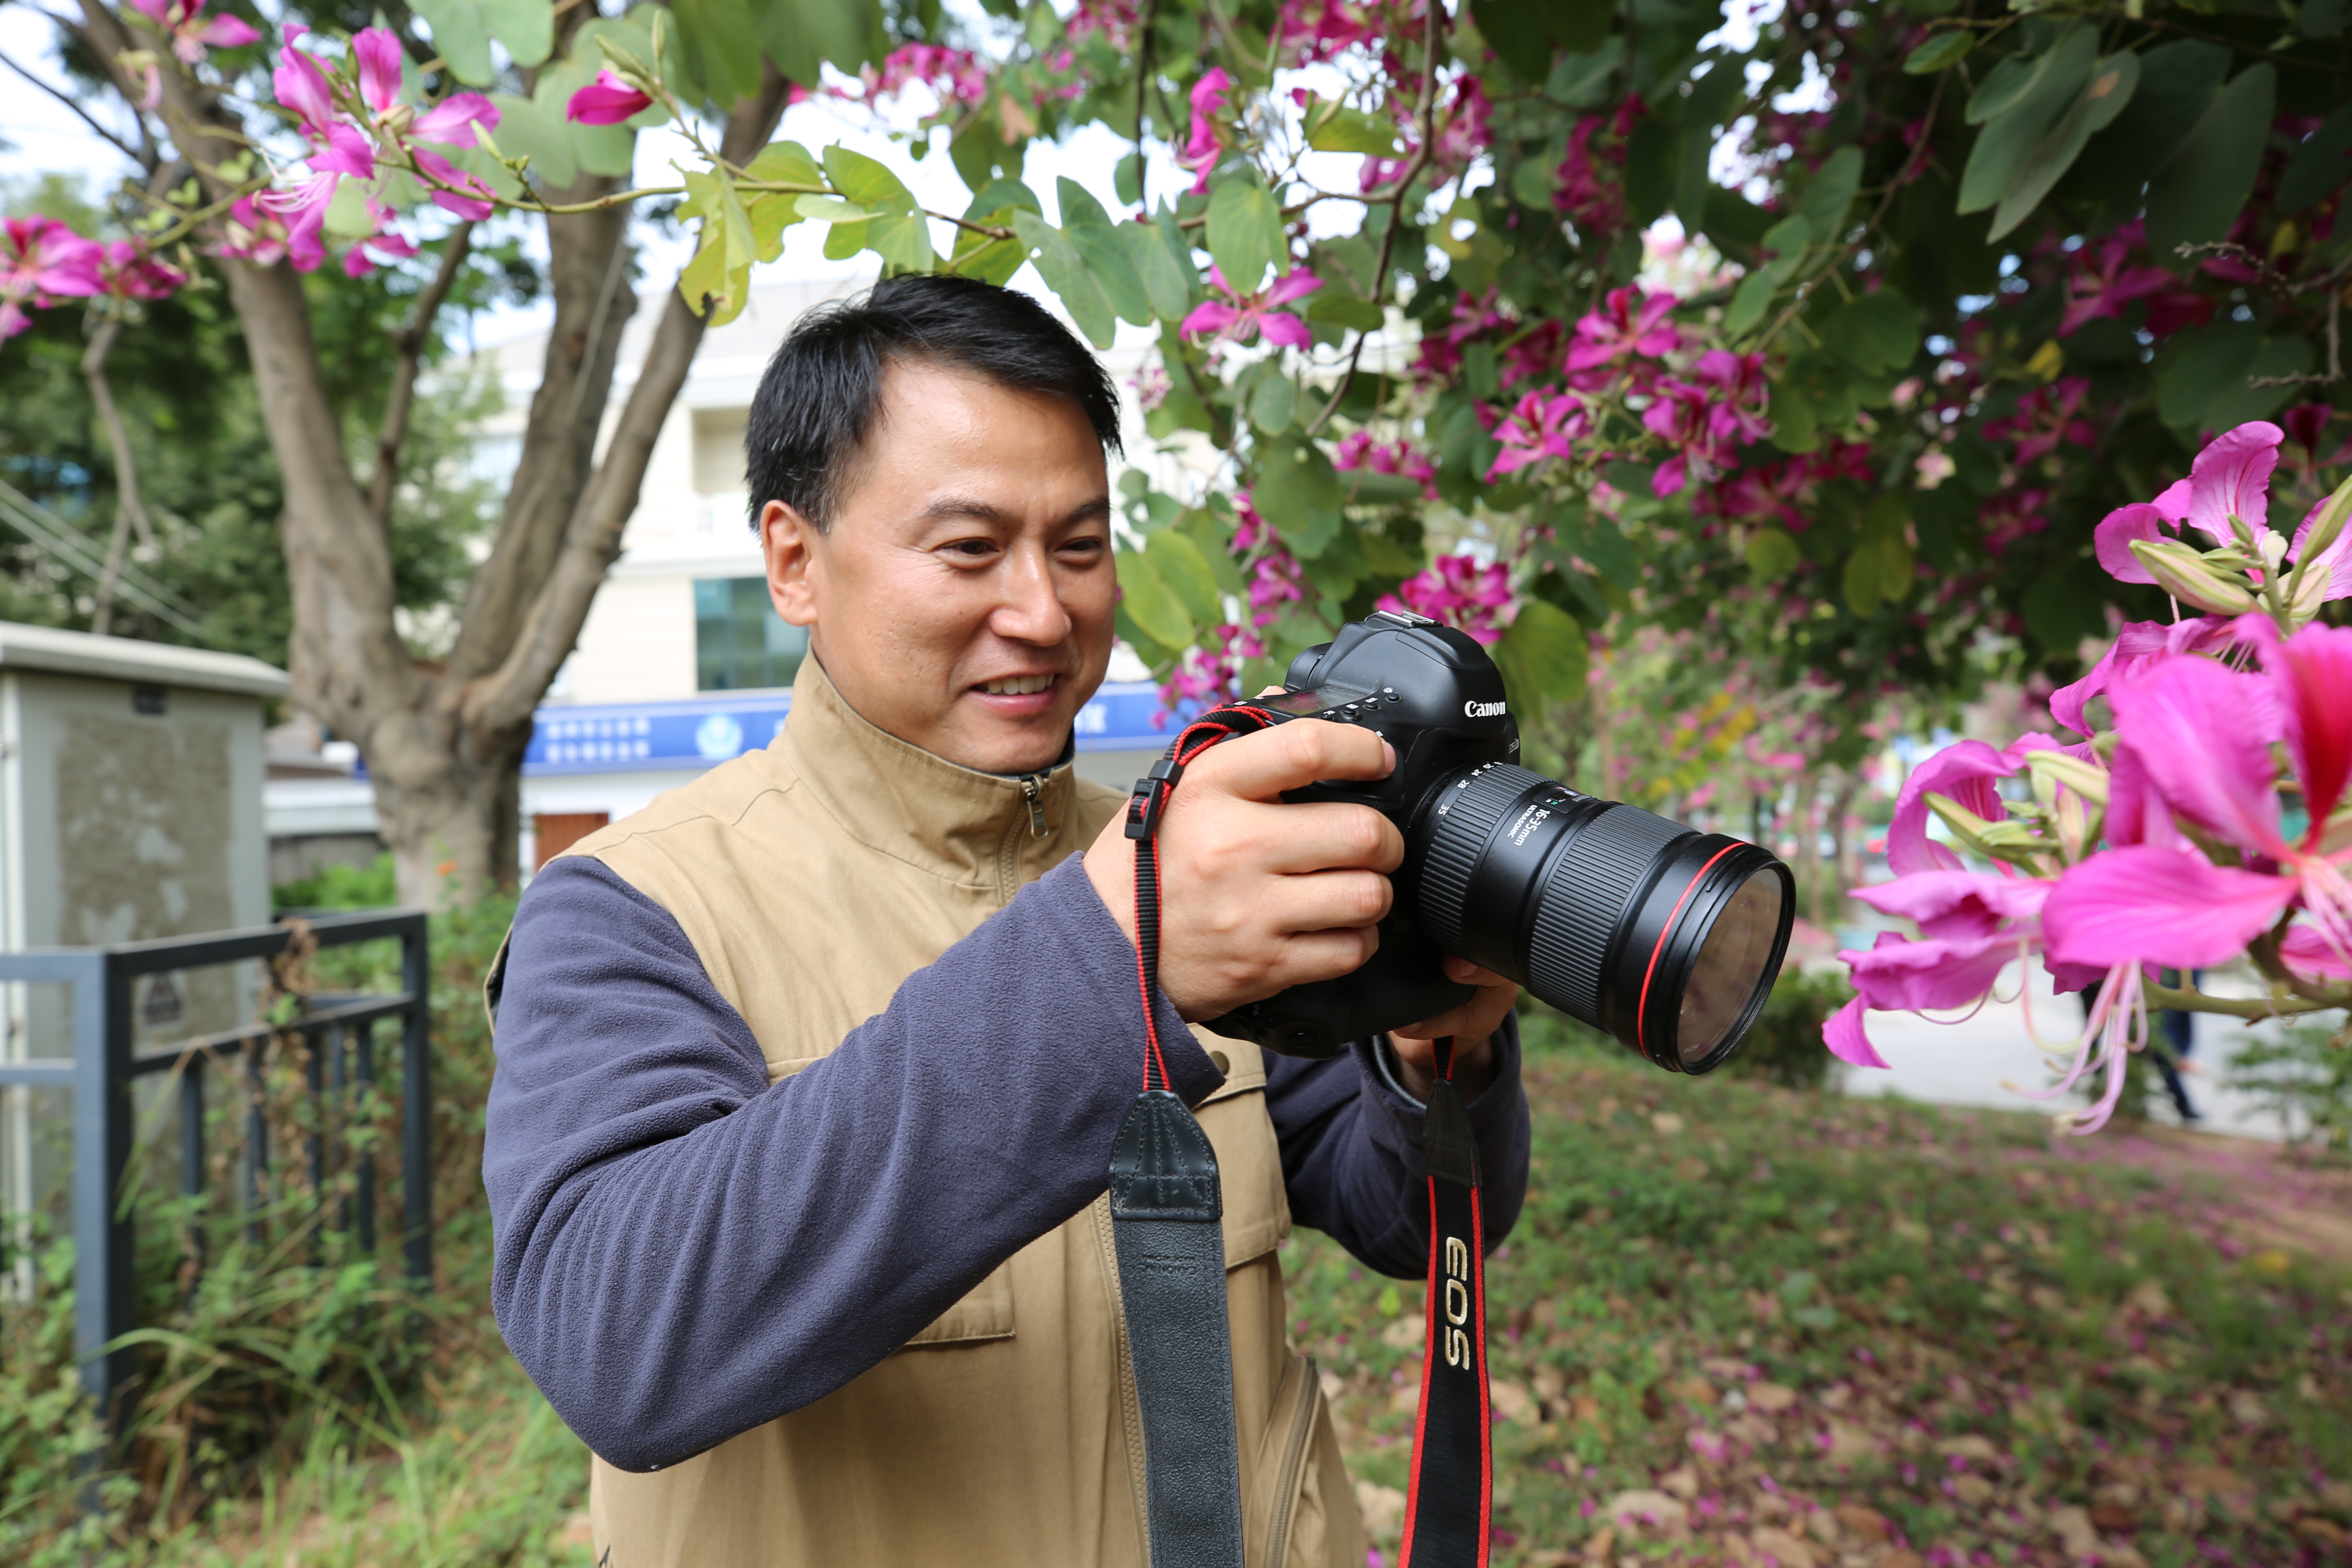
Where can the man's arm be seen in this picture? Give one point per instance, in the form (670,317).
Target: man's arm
(1351,1151)
(685,1251)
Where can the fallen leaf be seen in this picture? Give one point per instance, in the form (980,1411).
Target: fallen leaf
(1971,1446)
(1514,1402)
(1777,1544)
(1407,1332)
(2072,1526)
(1972,1490)
(1667,1123)
(1604,1541)
(1383,1507)
(1849,1445)
(1771,1397)
(1655,1513)
(1866,1523)
(2113,1517)
(1697,1390)
(1900,1559)
(1682,1480)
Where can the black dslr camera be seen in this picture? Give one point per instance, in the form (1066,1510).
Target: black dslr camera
(1666,937)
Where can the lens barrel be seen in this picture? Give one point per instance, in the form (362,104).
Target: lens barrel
(1666,937)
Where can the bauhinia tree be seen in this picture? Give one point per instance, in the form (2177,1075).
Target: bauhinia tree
(1950,288)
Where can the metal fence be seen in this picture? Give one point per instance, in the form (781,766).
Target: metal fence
(103,1063)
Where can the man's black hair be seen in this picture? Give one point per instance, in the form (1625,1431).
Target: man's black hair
(823,391)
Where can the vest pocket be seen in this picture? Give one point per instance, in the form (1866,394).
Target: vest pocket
(985,1312)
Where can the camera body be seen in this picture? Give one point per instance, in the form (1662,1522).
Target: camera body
(1433,694)
(1666,936)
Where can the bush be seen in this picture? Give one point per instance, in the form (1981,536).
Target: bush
(2302,1079)
(341,887)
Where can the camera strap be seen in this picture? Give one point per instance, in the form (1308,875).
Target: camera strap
(1166,1208)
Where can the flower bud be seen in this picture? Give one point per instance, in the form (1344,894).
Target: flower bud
(2186,576)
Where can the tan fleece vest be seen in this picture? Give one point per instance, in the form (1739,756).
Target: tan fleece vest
(812,877)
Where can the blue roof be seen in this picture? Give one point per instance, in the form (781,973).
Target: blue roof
(640,737)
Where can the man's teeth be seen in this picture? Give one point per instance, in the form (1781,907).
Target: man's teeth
(1019,686)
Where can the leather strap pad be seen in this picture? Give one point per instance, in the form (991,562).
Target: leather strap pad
(1165,1205)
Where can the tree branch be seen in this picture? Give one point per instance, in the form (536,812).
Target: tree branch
(503,699)
(408,346)
(146,158)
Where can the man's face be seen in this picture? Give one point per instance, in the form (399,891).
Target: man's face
(962,598)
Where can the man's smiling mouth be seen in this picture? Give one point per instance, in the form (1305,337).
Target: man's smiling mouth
(1017,685)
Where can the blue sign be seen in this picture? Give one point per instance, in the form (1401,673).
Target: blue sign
(646,737)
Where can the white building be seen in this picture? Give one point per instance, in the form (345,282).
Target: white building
(683,663)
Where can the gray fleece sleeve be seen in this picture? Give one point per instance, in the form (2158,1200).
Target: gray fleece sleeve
(685,1251)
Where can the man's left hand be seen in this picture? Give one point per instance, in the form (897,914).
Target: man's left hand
(1472,1026)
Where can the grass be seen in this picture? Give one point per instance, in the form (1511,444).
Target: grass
(1736,1323)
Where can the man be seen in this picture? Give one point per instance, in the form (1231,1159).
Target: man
(808,1073)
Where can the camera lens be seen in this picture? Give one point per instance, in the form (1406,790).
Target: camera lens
(1666,937)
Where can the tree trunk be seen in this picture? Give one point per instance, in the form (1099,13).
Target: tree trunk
(444,743)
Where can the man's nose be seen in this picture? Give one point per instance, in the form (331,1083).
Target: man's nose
(1030,610)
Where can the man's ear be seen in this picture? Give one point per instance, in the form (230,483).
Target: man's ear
(792,547)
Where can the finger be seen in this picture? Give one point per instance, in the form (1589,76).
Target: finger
(1329,900)
(1291,756)
(1311,956)
(1320,835)
(1474,1020)
(1461,971)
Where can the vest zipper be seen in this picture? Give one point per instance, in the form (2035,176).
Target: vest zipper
(1032,792)
(1289,1479)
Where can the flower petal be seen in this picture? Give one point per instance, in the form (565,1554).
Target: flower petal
(2232,475)
(2170,907)
(2198,729)
(1210,316)
(1903,976)
(1957,904)
(1964,773)
(1846,1039)
(2307,952)
(2112,540)
(2335,560)
(451,121)
(2312,672)
(379,57)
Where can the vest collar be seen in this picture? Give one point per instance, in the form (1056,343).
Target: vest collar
(955,822)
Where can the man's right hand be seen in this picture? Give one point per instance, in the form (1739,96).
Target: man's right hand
(1256,894)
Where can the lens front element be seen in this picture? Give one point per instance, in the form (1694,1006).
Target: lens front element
(1734,957)
(1667,938)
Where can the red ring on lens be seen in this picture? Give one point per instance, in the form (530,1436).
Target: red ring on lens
(1642,1008)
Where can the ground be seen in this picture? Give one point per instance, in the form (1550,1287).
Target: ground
(1735,1324)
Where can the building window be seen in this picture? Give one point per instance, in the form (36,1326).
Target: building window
(740,644)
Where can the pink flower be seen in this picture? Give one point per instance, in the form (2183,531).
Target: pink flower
(2045,419)
(1629,324)
(2146,904)
(2103,285)
(1964,774)
(303,88)
(2231,477)
(190,30)
(2139,645)
(1460,591)
(1586,186)
(1464,132)
(43,261)
(451,124)
(378,53)
(1740,396)
(1240,318)
(1972,925)
(953,75)
(607,100)
(254,234)
(1540,427)
(128,272)
(1206,140)
(1317,29)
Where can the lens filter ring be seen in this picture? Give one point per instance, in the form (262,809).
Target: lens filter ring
(1700,954)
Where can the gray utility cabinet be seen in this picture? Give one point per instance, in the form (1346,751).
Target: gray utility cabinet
(130,778)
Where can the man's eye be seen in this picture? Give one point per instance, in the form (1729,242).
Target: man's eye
(972,549)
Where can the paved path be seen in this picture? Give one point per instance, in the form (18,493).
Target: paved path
(1967,1063)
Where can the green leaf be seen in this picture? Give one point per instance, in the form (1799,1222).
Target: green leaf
(461,35)
(1534,182)
(1065,272)
(898,233)
(2055,81)
(1149,601)
(1748,303)
(720,46)
(1942,50)
(2113,81)
(832,209)
(1653,162)
(1299,491)
(1772,554)
(527,28)
(1826,201)
(787,162)
(1165,284)
(1334,127)
(1881,569)
(2196,194)
(1525,34)
(2321,163)
(1877,334)
(800,36)
(526,128)
(1795,427)
(868,184)
(1787,240)
(1543,657)
(1179,563)
(1208,536)
(1345,310)
(2177,82)
(1245,233)
(1274,400)
(1097,242)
